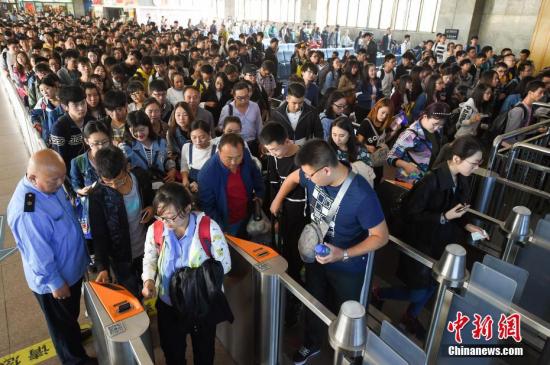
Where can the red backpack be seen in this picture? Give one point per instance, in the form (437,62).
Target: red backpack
(204,235)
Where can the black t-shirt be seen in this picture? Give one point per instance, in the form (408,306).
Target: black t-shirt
(277,171)
(372,137)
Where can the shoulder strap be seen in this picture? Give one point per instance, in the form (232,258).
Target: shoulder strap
(343,189)
(230,109)
(213,150)
(190,155)
(204,235)
(158,230)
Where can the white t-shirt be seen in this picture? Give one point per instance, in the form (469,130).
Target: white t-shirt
(199,156)
(174,96)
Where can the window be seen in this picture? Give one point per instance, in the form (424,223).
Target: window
(272,10)
(413,15)
(374,13)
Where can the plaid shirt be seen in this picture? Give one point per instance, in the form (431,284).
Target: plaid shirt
(267,83)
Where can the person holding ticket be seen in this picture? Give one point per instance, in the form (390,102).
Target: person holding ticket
(434,215)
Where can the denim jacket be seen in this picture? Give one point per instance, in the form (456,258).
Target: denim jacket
(135,153)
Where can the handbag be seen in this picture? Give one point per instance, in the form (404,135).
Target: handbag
(314,233)
(380,155)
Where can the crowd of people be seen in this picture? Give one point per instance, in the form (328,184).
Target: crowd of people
(171,124)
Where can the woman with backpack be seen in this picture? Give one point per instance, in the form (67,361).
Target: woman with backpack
(433,216)
(180,238)
(474,110)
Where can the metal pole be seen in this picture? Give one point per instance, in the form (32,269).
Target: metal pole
(365,291)
(338,357)
(436,314)
(510,250)
(270,319)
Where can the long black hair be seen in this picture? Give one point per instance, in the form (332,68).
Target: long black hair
(345,123)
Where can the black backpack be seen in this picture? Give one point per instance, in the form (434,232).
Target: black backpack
(498,126)
(450,126)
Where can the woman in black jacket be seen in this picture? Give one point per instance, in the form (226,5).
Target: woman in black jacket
(433,214)
(120,210)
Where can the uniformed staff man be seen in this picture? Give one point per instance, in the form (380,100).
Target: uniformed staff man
(51,243)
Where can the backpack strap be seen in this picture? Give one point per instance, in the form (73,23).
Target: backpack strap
(158,230)
(204,235)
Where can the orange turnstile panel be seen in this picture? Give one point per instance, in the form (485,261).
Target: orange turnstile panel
(117,301)
(259,252)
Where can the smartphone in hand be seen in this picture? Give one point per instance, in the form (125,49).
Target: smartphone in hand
(462,208)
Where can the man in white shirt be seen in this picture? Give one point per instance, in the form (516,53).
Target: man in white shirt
(440,47)
(248,112)
(406,45)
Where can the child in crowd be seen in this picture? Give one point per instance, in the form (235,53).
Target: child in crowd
(175,93)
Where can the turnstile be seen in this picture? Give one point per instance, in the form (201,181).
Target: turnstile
(120,325)
(254,292)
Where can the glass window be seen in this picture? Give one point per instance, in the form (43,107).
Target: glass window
(275,10)
(332,11)
(342,12)
(401,15)
(374,15)
(386,14)
(428,18)
(362,13)
(414,13)
(352,13)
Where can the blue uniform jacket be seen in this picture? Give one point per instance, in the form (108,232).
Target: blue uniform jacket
(49,238)
(136,155)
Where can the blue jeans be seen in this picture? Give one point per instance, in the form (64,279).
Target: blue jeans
(418,297)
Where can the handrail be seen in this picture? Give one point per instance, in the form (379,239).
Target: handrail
(522,146)
(485,217)
(413,252)
(531,139)
(307,299)
(498,139)
(513,184)
(31,137)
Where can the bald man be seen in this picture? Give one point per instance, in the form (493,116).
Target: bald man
(52,247)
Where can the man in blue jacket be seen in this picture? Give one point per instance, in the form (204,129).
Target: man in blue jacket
(229,184)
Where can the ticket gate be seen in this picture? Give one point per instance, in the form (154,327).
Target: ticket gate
(254,292)
(120,325)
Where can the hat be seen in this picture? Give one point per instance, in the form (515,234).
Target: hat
(250,68)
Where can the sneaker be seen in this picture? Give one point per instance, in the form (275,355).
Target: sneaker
(304,353)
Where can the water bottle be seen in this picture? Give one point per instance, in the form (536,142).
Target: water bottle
(322,250)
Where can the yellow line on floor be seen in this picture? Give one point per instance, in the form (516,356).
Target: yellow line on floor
(34,354)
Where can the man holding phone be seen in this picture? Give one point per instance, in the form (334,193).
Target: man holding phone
(120,210)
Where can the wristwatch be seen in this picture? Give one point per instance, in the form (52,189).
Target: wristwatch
(346,256)
(442,219)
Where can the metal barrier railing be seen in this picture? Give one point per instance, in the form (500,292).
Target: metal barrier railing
(31,137)
(499,139)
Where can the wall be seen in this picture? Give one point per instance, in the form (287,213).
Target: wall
(508,23)
(540,43)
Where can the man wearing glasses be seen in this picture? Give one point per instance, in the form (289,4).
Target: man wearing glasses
(357,228)
(249,113)
(120,210)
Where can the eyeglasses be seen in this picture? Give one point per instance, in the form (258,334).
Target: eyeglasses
(309,177)
(114,183)
(169,219)
(100,143)
(242,98)
(339,106)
